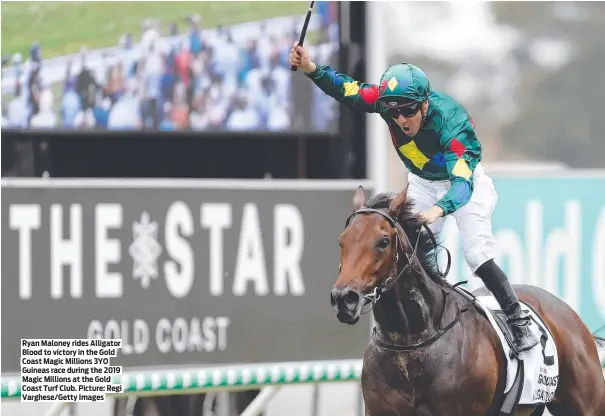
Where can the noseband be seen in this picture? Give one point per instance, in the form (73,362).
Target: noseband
(391,278)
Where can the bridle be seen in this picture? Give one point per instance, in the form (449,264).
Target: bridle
(392,277)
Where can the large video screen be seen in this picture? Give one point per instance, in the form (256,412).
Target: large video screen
(165,66)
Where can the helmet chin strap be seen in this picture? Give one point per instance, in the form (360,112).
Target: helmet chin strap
(424,114)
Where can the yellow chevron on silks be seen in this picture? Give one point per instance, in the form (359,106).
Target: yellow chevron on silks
(461,169)
(411,152)
(351,88)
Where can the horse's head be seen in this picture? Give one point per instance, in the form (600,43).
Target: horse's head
(369,247)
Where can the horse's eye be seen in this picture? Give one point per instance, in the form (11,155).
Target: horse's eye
(383,243)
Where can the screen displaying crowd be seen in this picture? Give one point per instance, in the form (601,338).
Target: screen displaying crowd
(234,78)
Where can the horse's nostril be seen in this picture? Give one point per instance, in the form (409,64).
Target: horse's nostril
(344,299)
(351,297)
(333,300)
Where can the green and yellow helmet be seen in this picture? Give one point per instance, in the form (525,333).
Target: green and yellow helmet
(404,82)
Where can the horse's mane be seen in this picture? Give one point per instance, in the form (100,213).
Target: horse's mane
(412,226)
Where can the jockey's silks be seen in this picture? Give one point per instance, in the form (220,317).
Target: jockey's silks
(445,148)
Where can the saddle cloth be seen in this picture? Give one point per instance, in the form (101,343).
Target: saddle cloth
(541,363)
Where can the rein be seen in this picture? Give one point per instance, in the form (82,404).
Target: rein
(389,281)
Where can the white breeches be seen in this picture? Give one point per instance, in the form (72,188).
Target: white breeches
(474,219)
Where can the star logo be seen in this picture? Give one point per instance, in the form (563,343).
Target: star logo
(145,250)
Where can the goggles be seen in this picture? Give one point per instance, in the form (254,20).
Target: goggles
(407,110)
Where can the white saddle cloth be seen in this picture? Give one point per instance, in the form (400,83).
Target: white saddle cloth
(541,363)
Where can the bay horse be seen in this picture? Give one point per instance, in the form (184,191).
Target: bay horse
(431,351)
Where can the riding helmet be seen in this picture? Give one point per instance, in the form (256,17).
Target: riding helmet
(404,82)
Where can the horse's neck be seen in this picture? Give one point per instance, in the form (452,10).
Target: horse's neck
(411,311)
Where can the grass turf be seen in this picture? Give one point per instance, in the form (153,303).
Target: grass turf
(64,27)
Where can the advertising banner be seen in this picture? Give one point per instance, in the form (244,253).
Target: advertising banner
(550,232)
(195,275)
(184,276)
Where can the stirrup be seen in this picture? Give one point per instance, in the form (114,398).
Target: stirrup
(523,335)
(521,321)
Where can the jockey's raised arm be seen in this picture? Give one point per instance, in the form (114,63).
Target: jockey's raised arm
(353,94)
(344,89)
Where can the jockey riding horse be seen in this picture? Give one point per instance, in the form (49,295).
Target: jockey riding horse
(435,138)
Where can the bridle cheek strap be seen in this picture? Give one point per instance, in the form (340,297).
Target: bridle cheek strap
(392,277)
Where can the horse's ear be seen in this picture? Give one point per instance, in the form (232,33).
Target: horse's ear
(398,202)
(359,199)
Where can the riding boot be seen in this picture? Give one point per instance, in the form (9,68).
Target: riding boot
(496,282)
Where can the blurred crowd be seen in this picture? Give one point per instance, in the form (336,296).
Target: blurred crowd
(176,81)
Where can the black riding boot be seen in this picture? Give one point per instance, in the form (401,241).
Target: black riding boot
(496,282)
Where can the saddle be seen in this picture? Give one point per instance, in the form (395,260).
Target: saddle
(531,375)
(498,315)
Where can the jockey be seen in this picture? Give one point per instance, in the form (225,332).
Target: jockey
(434,136)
